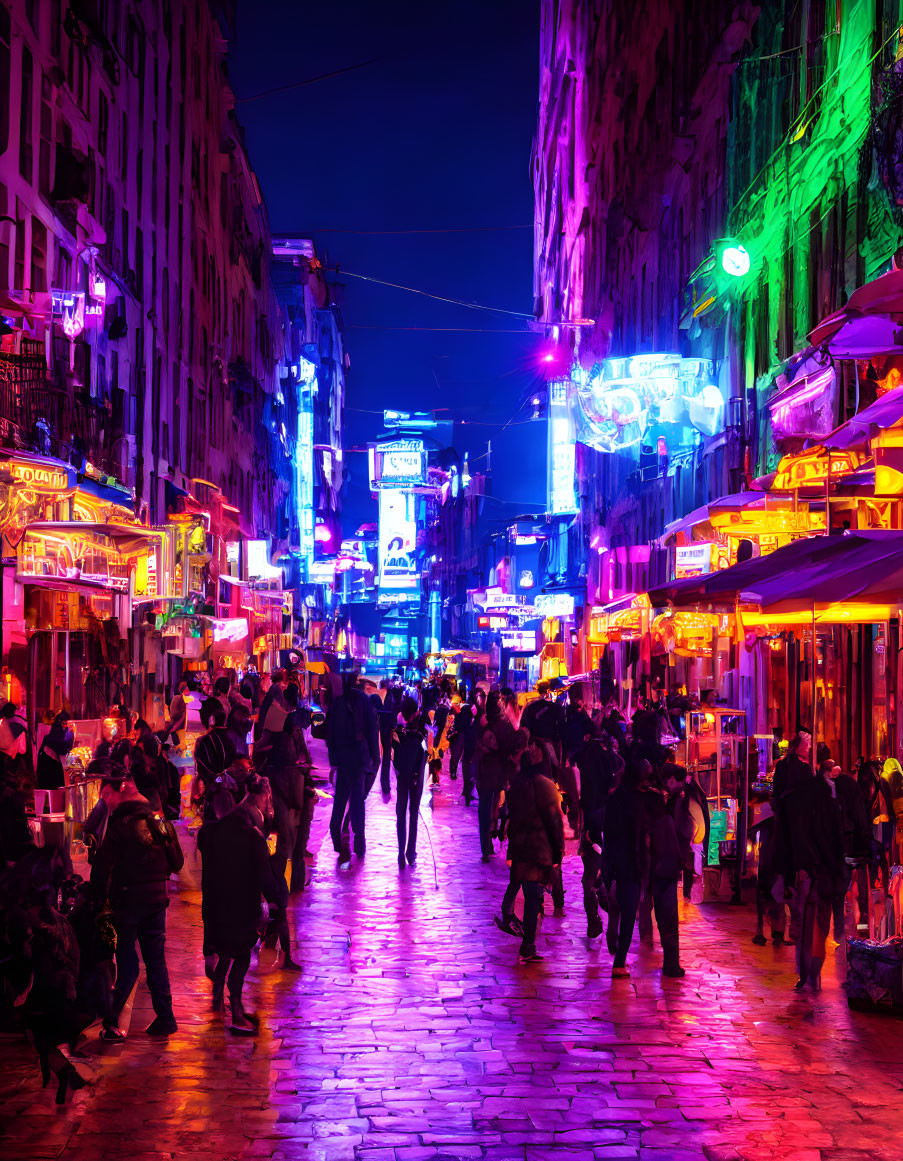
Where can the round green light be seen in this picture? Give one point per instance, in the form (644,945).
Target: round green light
(735,261)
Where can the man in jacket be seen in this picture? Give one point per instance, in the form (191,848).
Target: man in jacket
(496,752)
(535,843)
(388,719)
(409,746)
(662,867)
(139,852)
(599,766)
(622,864)
(352,741)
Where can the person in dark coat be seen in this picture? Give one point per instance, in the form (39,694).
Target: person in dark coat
(236,873)
(53,750)
(410,747)
(809,842)
(856,834)
(689,808)
(535,842)
(352,741)
(789,772)
(663,865)
(139,852)
(599,766)
(495,765)
(621,863)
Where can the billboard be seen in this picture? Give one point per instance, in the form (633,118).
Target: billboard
(399,572)
(397,463)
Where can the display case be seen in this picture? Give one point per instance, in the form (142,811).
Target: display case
(716,746)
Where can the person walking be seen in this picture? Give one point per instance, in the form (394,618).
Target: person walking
(599,766)
(236,872)
(535,842)
(409,756)
(621,863)
(139,852)
(662,867)
(352,742)
(214,753)
(810,852)
(388,720)
(495,766)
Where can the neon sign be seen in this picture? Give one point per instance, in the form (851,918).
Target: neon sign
(398,464)
(398,542)
(561,451)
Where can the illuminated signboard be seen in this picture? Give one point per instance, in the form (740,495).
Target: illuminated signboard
(400,463)
(519,641)
(815,467)
(492,623)
(621,399)
(39,477)
(561,473)
(693,560)
(554,604)
(398,569)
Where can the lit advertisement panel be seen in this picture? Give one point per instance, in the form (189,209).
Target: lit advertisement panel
(399,574)
(561,451)
(398,463)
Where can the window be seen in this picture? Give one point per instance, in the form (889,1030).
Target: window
(63,268)
(19,271)
(5,95)
(124,149)
(103,121)
(26,160)
(38,255)
(46,143)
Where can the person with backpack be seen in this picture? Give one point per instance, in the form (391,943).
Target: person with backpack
(409,755)
(214,753)
(352,742)
(139,852)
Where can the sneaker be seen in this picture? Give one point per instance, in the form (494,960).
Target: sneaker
(161,1027)
(510,924)
(759,939)
(593,928)
(111,1034)
(530,957)
(620,973)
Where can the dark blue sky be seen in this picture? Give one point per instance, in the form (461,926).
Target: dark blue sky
(436,133)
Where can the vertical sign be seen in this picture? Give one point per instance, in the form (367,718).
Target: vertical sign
(562,461)
(398,571)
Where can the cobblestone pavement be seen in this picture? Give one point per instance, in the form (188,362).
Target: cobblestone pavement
(413,1034)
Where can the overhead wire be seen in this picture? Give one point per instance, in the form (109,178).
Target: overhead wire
(428,294)
(309,81)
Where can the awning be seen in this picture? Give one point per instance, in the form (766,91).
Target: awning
(870,323)
(126,537)
(739,501)
(858,431)
(107,493)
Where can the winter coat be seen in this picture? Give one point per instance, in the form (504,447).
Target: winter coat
(352,733)
(622,834)
(495,755)
(658,836)
(854,822)
(598,766)
(138,853)
(236,871)
(809,837)
(535,824)
(544,719)
(788,774)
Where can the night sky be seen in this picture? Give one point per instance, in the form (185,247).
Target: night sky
(436,133)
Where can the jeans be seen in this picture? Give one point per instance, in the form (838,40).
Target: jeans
(349,791)
(235,970)
(149,931)
(455,754)
(532,908)
(592,866)
(488,813)
(622,918)
(810,919)
(407,802)
(385,738)
(664,899)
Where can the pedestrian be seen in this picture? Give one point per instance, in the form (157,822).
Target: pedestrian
(810,855)
(535,841)
(856,837)
(689,808)
(496,754)
(794,769)
(388,719)
(621,863)
(214,753)
(56,745)
(468,727)
(599,766)
(352,741)
(139,852)
(662,867)
(284,767)
(275,693)
(13,748)
(409,757)
(178,714)
(236,874)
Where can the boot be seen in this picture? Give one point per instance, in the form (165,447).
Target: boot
(671,960)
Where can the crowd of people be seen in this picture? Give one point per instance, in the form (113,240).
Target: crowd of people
(540,775)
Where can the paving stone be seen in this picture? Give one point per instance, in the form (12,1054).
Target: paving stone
(413,1035)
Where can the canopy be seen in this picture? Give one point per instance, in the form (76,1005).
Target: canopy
(737,501)
(819,573)
(871,322)
(128,538)
(858,431)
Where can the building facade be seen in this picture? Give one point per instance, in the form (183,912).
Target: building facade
(144,355)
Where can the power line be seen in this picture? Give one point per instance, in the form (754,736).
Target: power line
(310,81)
(433,230)
(457,330)
(436,297)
